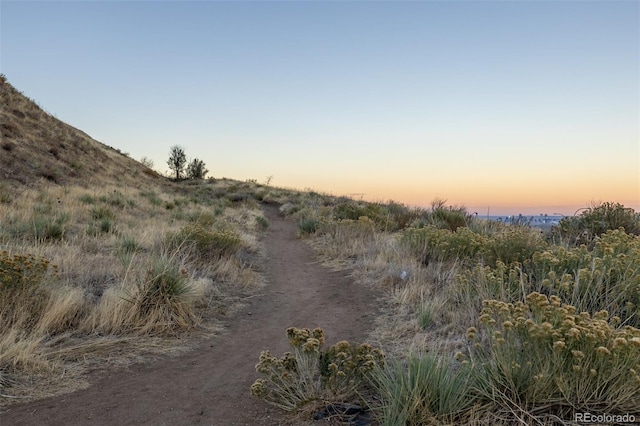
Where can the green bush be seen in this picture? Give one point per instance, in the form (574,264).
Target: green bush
(129,245)
(262,222)
(595,221)
(308,225)
(450,218)
(153,198)
(513,244)
(353,210)
(502,282)
(398,216)
(208,243)
(436,244)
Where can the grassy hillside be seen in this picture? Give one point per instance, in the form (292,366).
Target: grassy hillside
(36,146)
(103,260)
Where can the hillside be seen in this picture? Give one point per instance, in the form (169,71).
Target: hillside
(36,146)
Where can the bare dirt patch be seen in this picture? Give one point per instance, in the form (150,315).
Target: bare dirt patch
(210,385)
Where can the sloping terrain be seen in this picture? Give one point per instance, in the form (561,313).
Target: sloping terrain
(35,145)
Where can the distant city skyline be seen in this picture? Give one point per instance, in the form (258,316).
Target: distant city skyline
(508,107)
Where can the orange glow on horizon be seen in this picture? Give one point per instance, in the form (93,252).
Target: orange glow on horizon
(499,197)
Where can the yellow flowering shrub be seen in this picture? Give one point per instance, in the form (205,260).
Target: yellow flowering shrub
(312,374)
(503,282)
(436,244)
(513,244)
(606,277)
(544,354)
(22,294)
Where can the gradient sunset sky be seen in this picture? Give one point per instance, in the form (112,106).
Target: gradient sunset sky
(508,106)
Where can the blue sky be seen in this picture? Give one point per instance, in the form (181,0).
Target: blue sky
(517,106)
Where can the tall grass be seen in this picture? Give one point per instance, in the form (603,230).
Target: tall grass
(423,389)
(117,267)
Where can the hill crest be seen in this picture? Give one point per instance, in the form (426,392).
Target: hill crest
(36,147)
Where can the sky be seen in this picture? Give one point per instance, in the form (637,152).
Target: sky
(504,107)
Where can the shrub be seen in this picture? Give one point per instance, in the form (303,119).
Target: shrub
(103,226)
(513,244)
(541,357)
(22,291)
(502,282)
(308,225)
(205,219)
(437,244)
(116,199)
(607,277)
(398,216)
(597,220)
(353,210)
(262,222)
(196,169)
(288,209)
(425,314)
(450,218)
(312,374)
(207,243)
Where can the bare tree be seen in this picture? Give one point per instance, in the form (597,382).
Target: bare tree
(177,160)
(147,162)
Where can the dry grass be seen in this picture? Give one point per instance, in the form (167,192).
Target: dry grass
(438,280)
(36,146)
(114,276)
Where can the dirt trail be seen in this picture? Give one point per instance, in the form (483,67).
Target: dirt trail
(210,385)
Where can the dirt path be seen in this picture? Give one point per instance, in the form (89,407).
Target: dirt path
(210,385)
